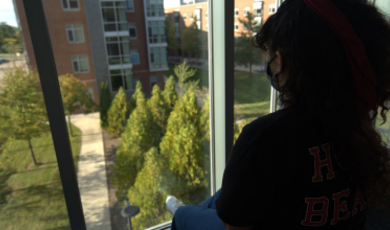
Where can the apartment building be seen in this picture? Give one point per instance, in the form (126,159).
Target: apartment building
(115,41)
(182,13)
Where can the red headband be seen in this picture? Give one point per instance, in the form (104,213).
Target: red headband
(363,75)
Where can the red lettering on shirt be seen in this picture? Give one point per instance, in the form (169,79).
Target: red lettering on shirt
(318,163)
(358,201)
(338,207)
(310,212)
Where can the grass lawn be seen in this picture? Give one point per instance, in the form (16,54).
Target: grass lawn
(37,200)
(251,94)
(7,56)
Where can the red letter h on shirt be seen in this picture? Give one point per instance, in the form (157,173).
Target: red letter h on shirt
(318,163)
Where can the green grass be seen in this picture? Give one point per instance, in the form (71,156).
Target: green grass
(37,200)
(251,94)
(7,56)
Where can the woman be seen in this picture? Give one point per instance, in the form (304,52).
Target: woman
(317,162)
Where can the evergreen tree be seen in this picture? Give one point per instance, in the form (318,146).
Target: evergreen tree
(116,115)
(160,112)
(205,119)
(169,93)
(137,139)
(105,103)
(182,146)
(149,193)
(132,104)
(184,73)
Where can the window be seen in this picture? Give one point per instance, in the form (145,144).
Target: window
(198,14)
(70,4)
(114,16)
(191,16)
(153,81)
(134,57)
(121,78)
(133,30)
(246,10)
(258,8)
(157,31)
(130,5)
(184,16)
(75,33)
(170,17)
(236,12)
(236,26)
(272,8)
(257,21)
(155,8)
(80,64)
(118,50)
(158,57)
(206,15)
(176,16)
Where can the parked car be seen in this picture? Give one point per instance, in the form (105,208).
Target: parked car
(261,69)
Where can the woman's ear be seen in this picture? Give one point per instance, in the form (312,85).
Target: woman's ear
(279,62)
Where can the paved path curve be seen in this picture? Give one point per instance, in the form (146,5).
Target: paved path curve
(91,175)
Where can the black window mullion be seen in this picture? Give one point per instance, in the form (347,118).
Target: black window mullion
(51,91)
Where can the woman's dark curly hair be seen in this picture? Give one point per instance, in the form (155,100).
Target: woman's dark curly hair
(319,80)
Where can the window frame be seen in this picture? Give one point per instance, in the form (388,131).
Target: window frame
(70,9)
(130,26)
(127,6)
(246,10)
(134,51)
(73,32)
(78,63)
(236,12)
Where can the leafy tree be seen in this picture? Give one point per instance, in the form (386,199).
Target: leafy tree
(75,96)
(160,111)
(104,105)
(182,146)
(133,101)
(137,139)
(183,72)
(192,39)
(205,119)
(117,113)
(22,109)
(245,54)
(9,32)
(149,193)
(171,36)
(169,93)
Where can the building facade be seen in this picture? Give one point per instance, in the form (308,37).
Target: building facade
(115,41)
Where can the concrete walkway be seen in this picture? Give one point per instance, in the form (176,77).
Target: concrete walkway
(91,175)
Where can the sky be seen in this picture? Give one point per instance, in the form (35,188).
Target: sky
(7,13)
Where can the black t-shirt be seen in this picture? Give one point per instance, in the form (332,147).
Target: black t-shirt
(283,174)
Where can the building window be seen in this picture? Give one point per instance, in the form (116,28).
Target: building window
(80,64)
(206,15)
(158,57)
(75,33)
(90,91)
(272,8)
(246,10)
(236,12)
(121,78)
(184,16)
(258,8)
(134,57)
(236,26)
(118,50)
(132,30)
(114,16)
(157,32)
(191,16)
(257,21)
(130,5)
(155,8)
(70,4)
(198,14)
(153,81)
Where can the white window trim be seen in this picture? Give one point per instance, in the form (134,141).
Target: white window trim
(127,9)
(236,12)
(246,10)
(271,6)
(184,16)
(236,25)
(74,34)
(206,15)
(69,9)
(78,61)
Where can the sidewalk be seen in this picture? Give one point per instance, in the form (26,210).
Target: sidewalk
(91,173)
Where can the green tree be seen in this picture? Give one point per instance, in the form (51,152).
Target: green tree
(169,93)
(9,32)
(182,146)
(192,39)
(183,73)
(22,109)
(150,192)
(75,96)
(160,111)
(137,139)
(245,54)
(104,105)
(117,113)
(205,119)
(171,36)
(133,100)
